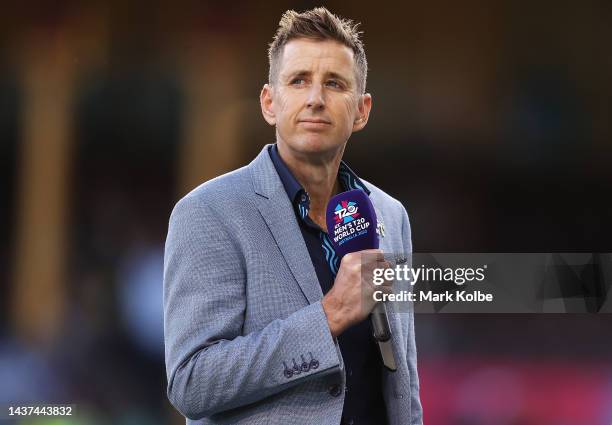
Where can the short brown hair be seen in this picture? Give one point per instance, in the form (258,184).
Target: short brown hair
(319,24)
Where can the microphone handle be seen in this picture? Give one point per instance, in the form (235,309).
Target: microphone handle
(380,323)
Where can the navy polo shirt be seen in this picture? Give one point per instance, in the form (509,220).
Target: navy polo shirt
(363,403)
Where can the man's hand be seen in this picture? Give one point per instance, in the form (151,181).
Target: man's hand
(350,300)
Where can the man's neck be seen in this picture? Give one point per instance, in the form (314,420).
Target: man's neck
(318,176)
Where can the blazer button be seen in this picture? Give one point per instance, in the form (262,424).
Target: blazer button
(335,390)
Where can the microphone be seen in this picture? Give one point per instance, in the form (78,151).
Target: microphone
(351,225)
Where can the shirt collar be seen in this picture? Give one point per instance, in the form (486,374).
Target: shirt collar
(348,178)
(292,186)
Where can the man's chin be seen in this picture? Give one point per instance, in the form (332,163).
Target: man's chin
(313,144)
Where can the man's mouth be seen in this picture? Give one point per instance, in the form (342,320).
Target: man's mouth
(315,121)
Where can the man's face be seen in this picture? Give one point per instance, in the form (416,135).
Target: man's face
(315,103)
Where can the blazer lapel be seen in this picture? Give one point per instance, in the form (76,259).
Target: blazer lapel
(276,209)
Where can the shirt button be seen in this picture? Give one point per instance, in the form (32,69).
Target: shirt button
(335,390)
(303,198)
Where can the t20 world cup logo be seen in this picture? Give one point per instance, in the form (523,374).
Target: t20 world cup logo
(346,211)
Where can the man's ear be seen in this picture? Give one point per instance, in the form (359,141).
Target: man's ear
(364,105)
(265,100)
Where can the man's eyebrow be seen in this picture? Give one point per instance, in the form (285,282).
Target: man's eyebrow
(298,73)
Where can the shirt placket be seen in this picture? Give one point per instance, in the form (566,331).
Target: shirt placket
(331,258)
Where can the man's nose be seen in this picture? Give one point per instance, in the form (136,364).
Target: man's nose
(316,98)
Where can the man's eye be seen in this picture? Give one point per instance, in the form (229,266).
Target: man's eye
(297,81)
(333,83)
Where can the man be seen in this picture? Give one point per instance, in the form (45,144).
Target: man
(263,323)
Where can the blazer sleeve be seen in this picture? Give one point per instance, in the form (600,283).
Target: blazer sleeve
(210,365)
(416,414)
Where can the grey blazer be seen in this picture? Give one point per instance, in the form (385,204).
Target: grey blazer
(242,300)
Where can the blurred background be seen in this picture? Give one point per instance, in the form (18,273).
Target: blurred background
(491,123)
